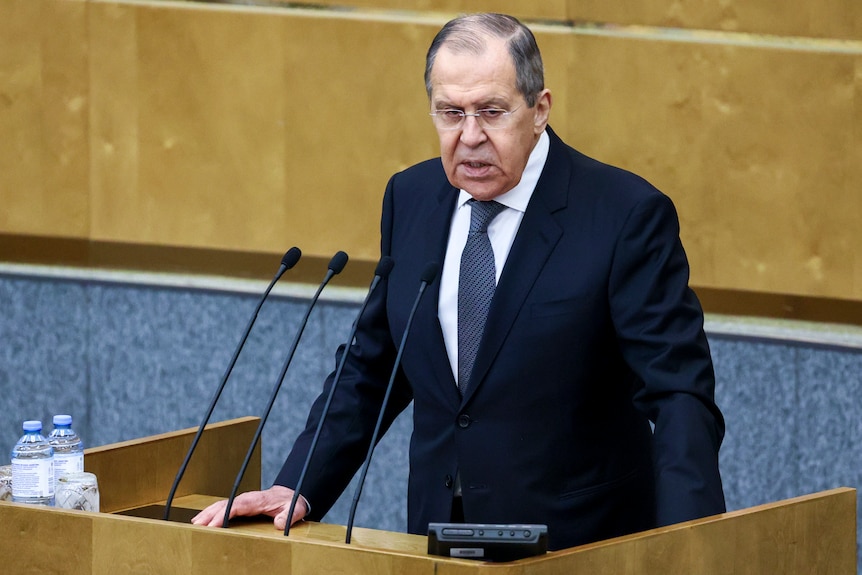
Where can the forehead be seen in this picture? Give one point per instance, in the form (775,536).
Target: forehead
(463,77)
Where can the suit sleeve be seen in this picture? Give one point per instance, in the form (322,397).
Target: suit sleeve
(355,406)
(659,324)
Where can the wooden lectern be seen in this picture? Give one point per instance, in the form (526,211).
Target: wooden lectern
(806,535)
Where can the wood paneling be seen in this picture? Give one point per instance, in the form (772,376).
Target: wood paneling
(44,165)
(825,19)
(230,133)
(195,126)
(348,132)
(809,534)
(756,146)
(446,9)
(141,471)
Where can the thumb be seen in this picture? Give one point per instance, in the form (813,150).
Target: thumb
(281,519)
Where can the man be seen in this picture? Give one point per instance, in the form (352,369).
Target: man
(591,334)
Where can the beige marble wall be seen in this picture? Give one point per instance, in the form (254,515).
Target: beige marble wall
(252,129)
(823,19)
(44,110)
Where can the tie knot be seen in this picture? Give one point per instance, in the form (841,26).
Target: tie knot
(482,213)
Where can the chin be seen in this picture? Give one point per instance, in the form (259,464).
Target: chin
(484,195)
(481,191)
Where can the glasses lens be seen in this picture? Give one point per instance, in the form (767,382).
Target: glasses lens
(493,118)
(488,118)
(448,119)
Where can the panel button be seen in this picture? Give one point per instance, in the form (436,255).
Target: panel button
(464,421)
(448,482)
(458,532)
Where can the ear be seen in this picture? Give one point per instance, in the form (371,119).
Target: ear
(542,111)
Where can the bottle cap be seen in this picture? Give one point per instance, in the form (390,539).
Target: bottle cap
(32,425)
(62,420)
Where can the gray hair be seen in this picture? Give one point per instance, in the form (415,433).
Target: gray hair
(468,33)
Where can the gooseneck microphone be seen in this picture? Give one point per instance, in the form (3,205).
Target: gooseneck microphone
(336,264)
(428,276)
(384,266)
(287,261)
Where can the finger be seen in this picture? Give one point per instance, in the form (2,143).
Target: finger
(203,517)
(299,514)
(211,516)
(280,520)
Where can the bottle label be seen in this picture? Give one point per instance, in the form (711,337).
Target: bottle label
(68,463)
(32,477)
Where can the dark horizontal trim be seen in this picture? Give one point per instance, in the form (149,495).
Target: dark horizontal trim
(78,252)
(780,306)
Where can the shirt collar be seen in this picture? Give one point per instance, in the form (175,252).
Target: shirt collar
(518,197)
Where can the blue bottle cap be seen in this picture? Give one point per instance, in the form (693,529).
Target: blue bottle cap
(32,425)
(62,420)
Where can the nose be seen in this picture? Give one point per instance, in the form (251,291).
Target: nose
(472,134)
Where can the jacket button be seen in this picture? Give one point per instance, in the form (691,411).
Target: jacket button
(464,421)
(448,482)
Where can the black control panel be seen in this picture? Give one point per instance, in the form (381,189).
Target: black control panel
(487,542)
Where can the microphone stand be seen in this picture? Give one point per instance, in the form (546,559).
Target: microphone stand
(336,264)
(287,261)
(427,277)
(382,272)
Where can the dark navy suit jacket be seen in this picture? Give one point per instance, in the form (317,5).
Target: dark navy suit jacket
(592,334)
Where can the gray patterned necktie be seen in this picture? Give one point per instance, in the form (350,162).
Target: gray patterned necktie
(476,284)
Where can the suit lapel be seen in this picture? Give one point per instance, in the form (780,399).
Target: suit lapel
(437,234)
(538,234)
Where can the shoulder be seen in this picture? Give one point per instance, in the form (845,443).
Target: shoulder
(418,188)
(421,174)
(601,186)
(607,178)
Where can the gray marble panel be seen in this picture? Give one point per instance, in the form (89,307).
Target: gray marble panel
(44,342)
(161,374)
(756,391)
(829,429)
(129,360)
(157,354)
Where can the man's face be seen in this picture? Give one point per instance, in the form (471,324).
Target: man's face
(485,163)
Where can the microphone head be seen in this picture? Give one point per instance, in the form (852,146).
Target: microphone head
(337,263)
(384,266)
(291,257)
(430,272)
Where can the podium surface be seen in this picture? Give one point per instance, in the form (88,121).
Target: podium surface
(811,534)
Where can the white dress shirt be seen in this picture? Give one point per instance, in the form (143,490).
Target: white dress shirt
(501,233)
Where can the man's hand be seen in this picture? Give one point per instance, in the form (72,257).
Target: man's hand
(274,502)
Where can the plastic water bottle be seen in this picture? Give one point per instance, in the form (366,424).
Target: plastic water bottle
(33,467)
(68,447)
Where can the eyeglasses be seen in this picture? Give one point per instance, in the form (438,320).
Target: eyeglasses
(488,118)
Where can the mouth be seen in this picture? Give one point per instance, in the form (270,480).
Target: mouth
(476,169)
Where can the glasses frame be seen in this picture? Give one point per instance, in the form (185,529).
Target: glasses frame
(478,114)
